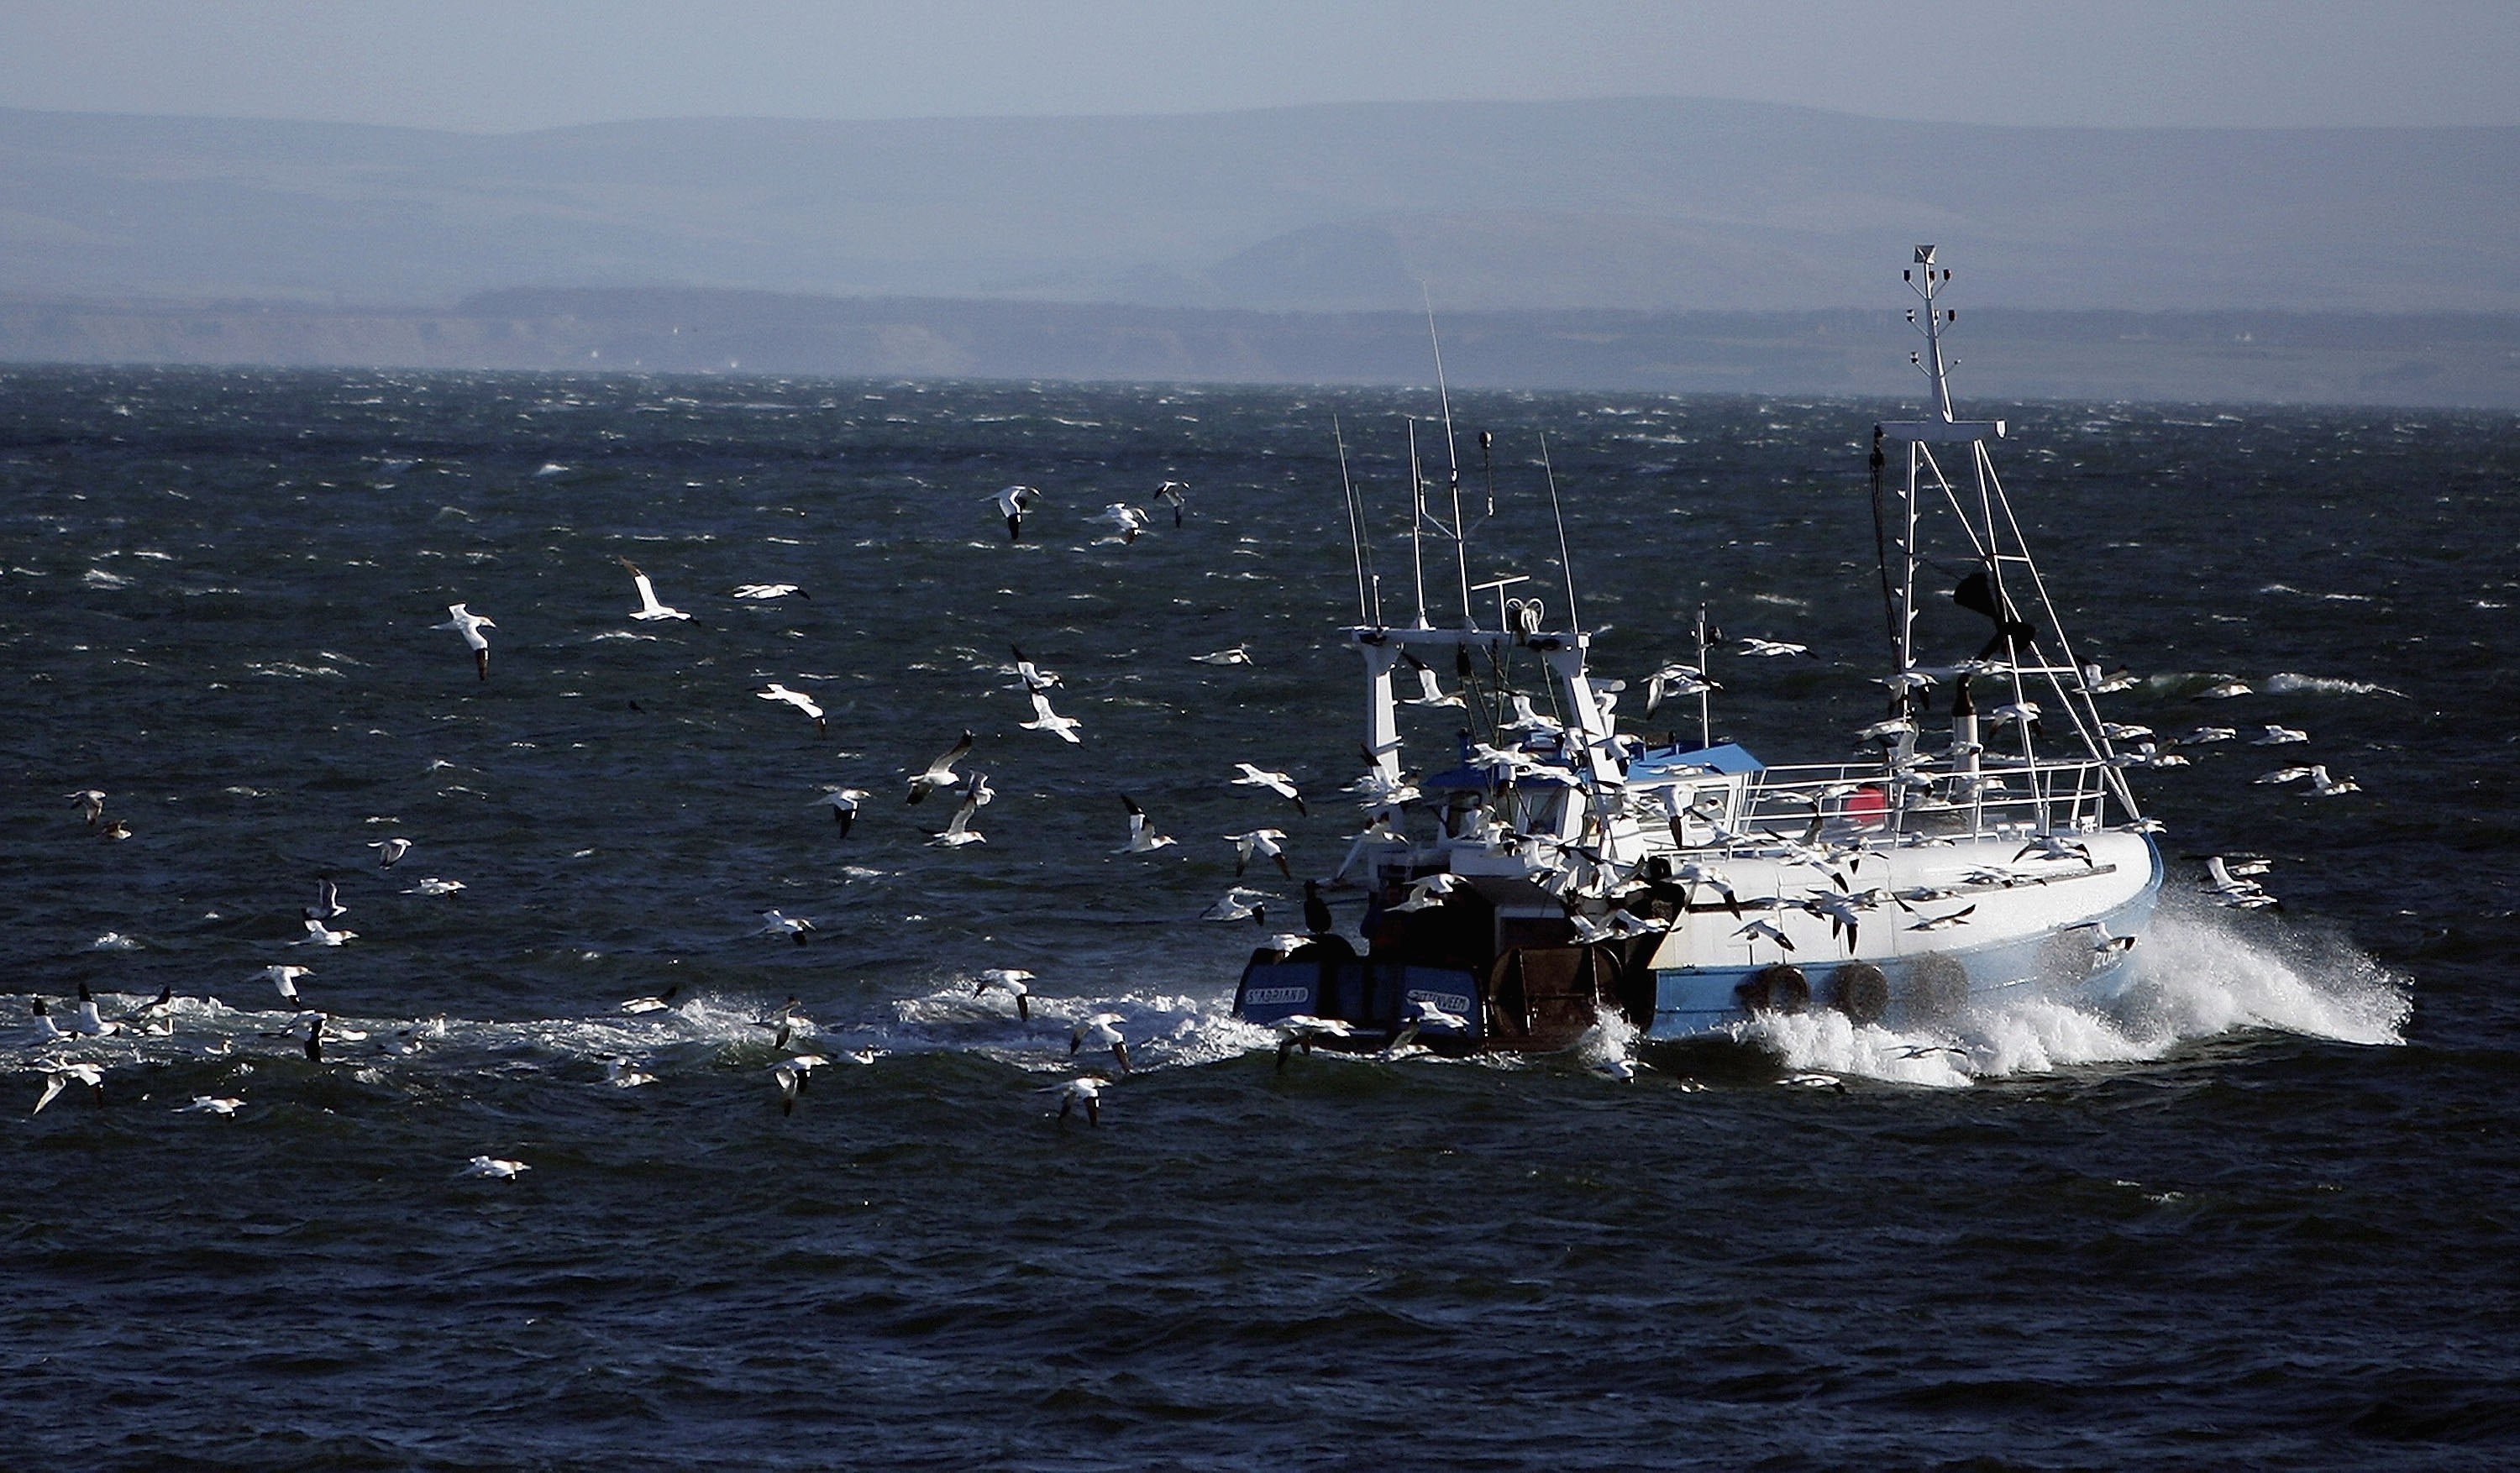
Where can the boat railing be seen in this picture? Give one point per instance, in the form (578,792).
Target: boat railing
(1842,801)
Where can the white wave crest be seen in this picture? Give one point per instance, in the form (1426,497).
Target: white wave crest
(2204,974)
(2288,680)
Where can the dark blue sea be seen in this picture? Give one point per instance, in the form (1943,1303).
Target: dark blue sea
(2260,1215)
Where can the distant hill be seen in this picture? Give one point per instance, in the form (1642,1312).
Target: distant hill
(1633,206)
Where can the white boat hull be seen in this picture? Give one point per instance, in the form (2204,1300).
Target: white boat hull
(2064,924)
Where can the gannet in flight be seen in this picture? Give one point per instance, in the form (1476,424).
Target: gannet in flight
(1101,1030)
(211,1104)
(1029,676)
(90,802)
(648,608)
(389,851)
(792,926)
(1085,1091)
(1276,782)
(1259,843)
(1047,720)
(60,1076)
(940,773)
(322,935)
(1766,648)
(470,625)
(284,979)
(843,803)
(1143,838)
(1127,521)
(764,592)
(658,1003)
(976,794)
(800,700)
(1238,904)
(1176,495)
(1240,654)
(1012,981)
(1012,504)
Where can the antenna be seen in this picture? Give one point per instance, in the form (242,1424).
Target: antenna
(1574,621)
(1355,528)
(1705,709)
(1453,452)
(1417,522)
(1487,467)
(1936,319)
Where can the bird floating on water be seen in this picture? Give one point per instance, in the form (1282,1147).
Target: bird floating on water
(762,593)
(493,1167)
(1240,654)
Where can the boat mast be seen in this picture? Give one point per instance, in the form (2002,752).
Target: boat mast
(1452,454)
(1418,523)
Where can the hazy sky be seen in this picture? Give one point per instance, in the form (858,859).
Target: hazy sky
(507,65)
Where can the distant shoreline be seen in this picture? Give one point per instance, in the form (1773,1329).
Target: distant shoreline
(2436,360)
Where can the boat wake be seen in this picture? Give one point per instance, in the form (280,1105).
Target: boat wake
(2206,973)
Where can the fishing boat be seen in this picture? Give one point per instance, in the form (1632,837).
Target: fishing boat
(1982,840)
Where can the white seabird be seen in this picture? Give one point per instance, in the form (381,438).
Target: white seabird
(90,802)
(211,1104)
(658,1003)
(940,773)
(1047,720)
(800,700)
(621,1073)
(1773,648)
(1011,980)
(1143,838)
(1029,676)
(494,1168)
(389,852)
(60,1076)
(284,979)
(322,935)
(843,803)
(759,593)
(976,795)
(1012,504)
(648,608)
(1276,782)
(1176,495)
(1101,1029)
(1238,904)
(1126,520)
(1240,654)
(470,625)
(1260,843)
(1085,1090)
(793,927)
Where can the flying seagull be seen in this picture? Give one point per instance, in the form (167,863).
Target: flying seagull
(940,773)
(843,803)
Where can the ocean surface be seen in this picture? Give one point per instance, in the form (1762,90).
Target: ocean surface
(2260,1215)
